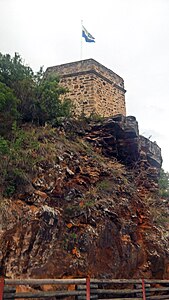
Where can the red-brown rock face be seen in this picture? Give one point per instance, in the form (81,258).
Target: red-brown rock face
(92,207)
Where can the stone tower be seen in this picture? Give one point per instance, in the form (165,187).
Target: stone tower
(92,87)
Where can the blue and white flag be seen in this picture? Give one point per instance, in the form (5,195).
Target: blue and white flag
(88,37)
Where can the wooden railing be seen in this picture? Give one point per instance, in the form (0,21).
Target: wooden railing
(86,288)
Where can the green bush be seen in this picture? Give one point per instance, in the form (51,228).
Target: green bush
(49,105)
(4,146)
(104,185)
(164,184)
(8,108)
(39,96)
(16,159)
(13,70)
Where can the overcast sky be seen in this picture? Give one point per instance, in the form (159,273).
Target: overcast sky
(132,39)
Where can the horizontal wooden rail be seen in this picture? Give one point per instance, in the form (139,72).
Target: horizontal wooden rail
(127,281)
(9,296)
(28,281)
(44,281)
(127,291)
(27,295)
(122,298)
(159,297)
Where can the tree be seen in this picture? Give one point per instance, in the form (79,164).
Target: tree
(20,79)
(164,184)
(8,109)
(40,96)
(49,105)
(13,70)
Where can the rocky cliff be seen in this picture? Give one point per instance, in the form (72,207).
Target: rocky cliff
(90,208)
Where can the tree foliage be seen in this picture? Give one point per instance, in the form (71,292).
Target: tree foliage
(36,97)
(49,105)
(164,184)
(8,108)
(12,70)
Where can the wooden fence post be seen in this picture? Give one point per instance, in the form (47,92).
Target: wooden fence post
(88,288)
(143,288)
(1,288)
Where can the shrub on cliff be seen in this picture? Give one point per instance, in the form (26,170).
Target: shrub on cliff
(48,104)
(164,184)
(17,159)
(8,109)
(39,97)
(13,71)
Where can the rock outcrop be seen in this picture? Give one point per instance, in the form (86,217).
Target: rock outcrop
(91,209)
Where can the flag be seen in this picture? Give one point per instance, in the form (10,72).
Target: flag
(88,37)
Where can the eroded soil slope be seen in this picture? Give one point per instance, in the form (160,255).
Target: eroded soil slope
(90,207)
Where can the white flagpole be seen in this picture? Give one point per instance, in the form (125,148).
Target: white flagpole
(81,41)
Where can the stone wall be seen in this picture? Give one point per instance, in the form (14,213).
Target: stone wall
(92,87)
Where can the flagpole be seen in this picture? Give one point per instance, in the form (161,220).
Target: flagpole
(81,52)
